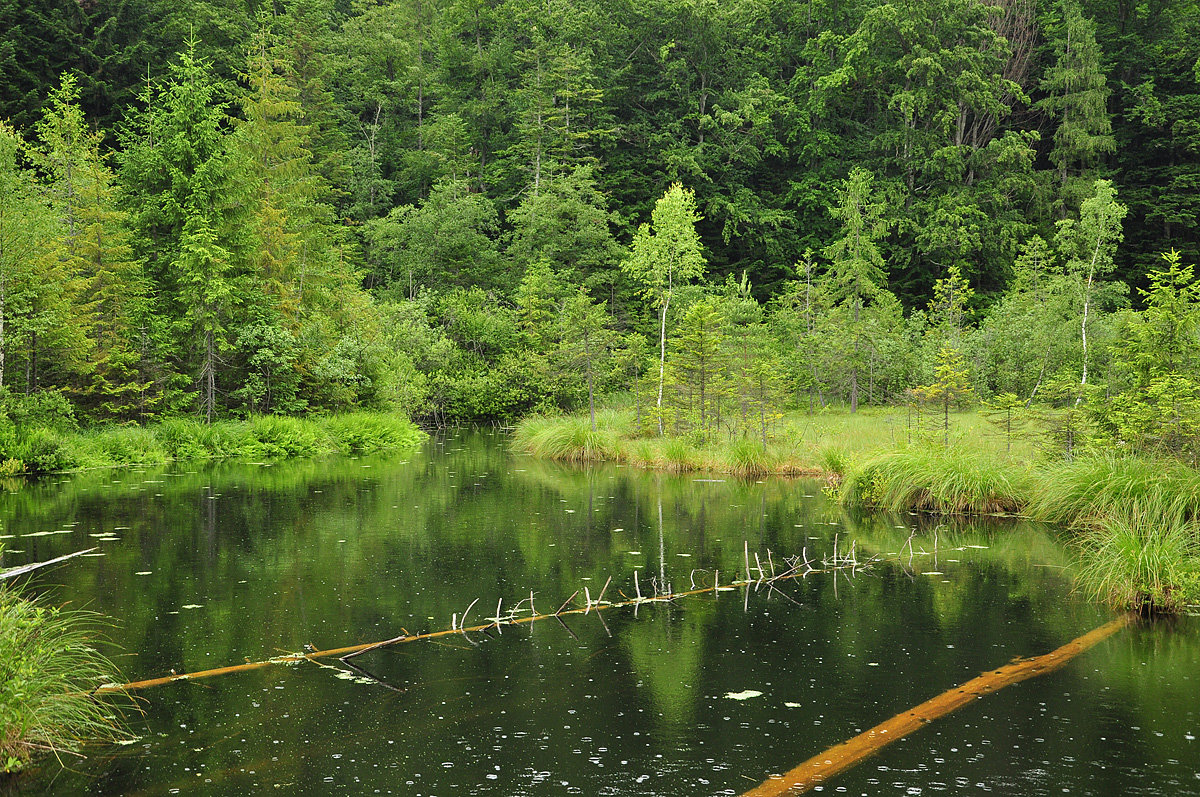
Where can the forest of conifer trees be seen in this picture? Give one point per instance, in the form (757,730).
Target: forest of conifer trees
(474,209)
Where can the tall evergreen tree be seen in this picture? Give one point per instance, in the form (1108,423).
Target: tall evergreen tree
(95,243)
(1077,94)
(856,271)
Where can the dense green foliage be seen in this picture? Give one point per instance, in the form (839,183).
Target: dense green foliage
(331,206)
(39,449)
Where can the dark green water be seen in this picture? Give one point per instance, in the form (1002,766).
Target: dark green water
(215,565)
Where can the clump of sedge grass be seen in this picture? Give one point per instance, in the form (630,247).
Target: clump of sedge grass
(834,460)
(361,432)
(48,668)
(565,439)
(1133,561)
(940,480)
(1096,487)
(748,458)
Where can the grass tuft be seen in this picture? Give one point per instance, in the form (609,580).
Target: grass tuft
(951,481)
(565,440)
(1096,487)
(48,668)
(748,458)
(1134,562)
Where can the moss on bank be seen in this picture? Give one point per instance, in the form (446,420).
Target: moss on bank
(266,437)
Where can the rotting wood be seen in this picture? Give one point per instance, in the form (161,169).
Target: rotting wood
(493,622)
(820,768)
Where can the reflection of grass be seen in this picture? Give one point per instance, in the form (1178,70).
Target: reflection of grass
(265,437)
(48,666)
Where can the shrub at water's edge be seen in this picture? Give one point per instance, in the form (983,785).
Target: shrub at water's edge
(263,437)
(49,666)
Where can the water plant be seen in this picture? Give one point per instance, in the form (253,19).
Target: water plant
(565,439)
(49,666)
(748,458)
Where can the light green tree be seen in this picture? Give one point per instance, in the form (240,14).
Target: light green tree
(664,253)
(951,385)
(699,361)
(585,341)
(110,288)
(26,248)
(1088,247)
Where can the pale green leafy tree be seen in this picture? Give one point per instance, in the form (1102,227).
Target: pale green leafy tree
(666,252)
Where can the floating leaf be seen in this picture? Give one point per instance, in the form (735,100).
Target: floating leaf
(743,695)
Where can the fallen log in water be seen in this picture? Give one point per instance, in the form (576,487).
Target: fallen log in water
(841,757)
(794,571)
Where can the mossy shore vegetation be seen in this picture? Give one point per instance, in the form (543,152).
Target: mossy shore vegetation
(265,437)
(1134,520)
(49,667)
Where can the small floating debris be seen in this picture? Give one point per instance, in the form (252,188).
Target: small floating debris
(791,705)
(616,530)
(933,573)
(634,553)
(143,572)
(47,533)
(982,547)
(192,606)
(683,554)
(745,694)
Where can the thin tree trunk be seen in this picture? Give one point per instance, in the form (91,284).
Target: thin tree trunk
(1087,298)
(662,359)
(587,353)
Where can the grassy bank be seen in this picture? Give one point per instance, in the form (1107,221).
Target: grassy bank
(800,445)
(1135,521)
(260,438)
(48,667)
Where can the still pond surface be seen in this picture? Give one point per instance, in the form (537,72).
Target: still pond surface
(205,566)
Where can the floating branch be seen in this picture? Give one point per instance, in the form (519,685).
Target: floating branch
(343,654)
(17,571)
